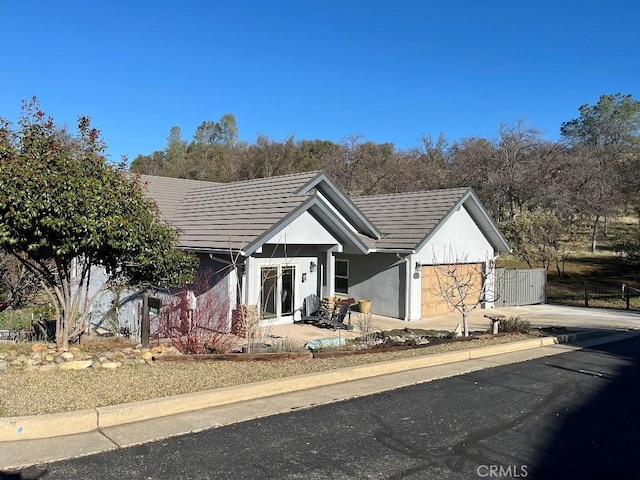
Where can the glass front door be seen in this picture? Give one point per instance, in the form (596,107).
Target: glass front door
(269,285)
(277,295)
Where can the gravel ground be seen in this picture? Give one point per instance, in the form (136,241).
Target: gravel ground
(35,393)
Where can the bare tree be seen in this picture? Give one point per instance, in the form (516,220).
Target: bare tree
(464,286)
(18,285)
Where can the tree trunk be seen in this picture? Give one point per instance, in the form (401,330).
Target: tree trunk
(465,324)
(594,234)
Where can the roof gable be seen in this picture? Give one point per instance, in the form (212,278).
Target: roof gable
(409,219)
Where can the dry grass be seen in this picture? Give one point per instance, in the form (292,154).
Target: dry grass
(34,392)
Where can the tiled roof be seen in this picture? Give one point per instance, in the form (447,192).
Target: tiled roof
(226,215)
(406,219)
(233,215)
(169,192)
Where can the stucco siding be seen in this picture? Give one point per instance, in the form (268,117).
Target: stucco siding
(458,240)
(380,278)
(304,230)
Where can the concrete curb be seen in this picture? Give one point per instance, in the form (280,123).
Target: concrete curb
(69,423)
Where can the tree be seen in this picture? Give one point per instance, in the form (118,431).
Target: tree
(607,137)
(64,209)
(18,285)
(225,131)
(537,238)
(464,286)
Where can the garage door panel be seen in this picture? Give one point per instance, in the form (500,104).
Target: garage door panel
(433,301)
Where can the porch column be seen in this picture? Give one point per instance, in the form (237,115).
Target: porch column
(330,268)
(244,284)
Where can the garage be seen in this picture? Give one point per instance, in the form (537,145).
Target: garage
(444,278)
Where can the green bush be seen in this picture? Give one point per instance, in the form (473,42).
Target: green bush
(15,320)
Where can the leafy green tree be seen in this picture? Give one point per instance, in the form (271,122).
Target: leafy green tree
(607,136)
(225,131)
(65,209)
(537,237)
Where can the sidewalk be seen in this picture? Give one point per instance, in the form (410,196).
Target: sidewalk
(92,431)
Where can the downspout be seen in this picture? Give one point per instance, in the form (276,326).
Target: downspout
(492,266)
(408,286)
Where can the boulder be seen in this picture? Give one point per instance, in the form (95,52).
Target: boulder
(39,347)
(76,365)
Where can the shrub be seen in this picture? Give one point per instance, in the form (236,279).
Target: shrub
(196,319)
(15,320)
(514,325)
(285,345)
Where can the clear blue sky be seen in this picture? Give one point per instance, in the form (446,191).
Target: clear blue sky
(391,71)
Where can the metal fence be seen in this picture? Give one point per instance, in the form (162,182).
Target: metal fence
(602,293)
(515,287)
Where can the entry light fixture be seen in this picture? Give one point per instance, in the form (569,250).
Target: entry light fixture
(312,266)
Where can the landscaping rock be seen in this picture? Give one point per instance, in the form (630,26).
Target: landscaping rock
(3,365)
(110,365)
(75,365)
(67,356)
(39,347)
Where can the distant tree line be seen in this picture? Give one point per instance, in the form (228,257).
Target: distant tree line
(542,193)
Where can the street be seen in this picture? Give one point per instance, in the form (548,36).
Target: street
(568,416)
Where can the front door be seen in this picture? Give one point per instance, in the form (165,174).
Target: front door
(277,291)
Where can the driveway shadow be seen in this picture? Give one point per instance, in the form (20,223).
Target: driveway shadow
(601,438)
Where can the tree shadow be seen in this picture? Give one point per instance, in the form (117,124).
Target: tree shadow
(29,473)
(601,438)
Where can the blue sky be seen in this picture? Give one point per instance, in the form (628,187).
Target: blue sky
(391,71)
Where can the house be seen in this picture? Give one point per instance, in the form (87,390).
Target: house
(274,241)
(279,239)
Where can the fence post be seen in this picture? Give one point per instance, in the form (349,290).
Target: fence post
(145,324)
(627,296)
(586,293)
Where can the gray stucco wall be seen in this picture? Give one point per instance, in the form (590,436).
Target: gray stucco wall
(380,278)
(130,302)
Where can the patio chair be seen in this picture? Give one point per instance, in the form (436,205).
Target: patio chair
(340,312)
(311,310)
(45,330)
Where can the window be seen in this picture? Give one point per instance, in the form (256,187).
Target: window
(342,276)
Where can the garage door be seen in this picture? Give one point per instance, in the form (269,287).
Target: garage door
(436,279)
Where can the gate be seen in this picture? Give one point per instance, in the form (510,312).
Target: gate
(515,287)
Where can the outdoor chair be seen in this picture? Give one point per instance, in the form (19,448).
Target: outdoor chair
(340,312)
(45,330)
(311,310)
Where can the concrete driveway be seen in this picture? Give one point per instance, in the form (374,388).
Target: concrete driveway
(538,315)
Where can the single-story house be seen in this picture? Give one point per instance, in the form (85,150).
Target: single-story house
(277,240)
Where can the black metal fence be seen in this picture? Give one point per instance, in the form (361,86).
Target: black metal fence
(601,294)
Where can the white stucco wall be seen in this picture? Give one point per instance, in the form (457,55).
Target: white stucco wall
(304,230)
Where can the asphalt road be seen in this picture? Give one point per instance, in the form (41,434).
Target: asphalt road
(570,416)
